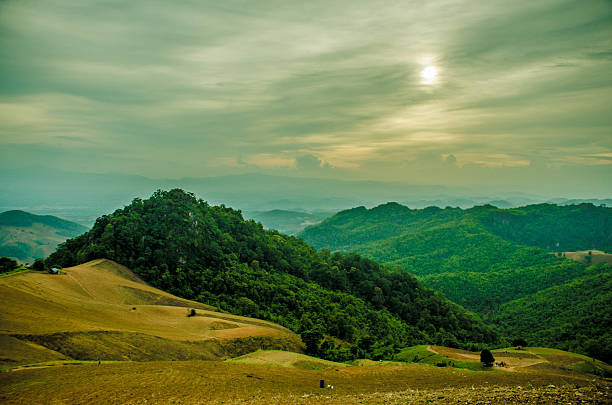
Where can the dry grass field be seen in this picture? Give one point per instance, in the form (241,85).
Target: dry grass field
(214,382)
(101,310)
(597,256)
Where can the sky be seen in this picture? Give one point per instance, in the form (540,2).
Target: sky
(514,94)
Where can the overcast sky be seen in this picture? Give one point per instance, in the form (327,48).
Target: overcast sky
(514,93)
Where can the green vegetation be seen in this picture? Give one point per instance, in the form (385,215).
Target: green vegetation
(421,355)
(26,236)
(344,306)
(495,262)
(8,265)
(582,326)
(486,358)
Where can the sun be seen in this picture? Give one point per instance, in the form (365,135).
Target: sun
(429,74)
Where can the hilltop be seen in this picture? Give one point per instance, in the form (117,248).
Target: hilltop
(25,236)
(484,258)
(343,306)
(101,310)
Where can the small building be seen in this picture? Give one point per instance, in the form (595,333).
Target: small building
(54,270)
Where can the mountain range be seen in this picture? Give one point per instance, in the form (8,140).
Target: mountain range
(508,265)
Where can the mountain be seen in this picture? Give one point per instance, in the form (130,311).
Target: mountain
(101,310)
(344,306)
(286,221)
(481,258)
(25,236)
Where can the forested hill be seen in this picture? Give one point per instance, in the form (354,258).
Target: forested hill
(344,306)
(485,258)
(551,227)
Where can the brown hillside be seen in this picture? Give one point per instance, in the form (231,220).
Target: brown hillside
(100,309)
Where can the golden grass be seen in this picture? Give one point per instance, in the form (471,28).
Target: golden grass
(286,359)
(597,256)
(102,310)
(193,382)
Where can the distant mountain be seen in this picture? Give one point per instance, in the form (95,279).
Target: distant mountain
(481,258)
(288,222)
(344,306)
(82,197)
(606,202)
(25,236)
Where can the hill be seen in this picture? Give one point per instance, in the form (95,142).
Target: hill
(25,236)
(288,222)
(582,326)
(101,310)
(482,257)
(344,306)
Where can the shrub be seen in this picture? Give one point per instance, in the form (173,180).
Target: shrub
(486,358)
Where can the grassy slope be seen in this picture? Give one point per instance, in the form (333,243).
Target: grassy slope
(286,359)
(102,310)
(26,236)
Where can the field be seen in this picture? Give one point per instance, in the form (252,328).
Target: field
(101,310)
(596,256)
(235,382)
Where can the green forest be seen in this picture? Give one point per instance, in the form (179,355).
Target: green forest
(493,261)
(344,306)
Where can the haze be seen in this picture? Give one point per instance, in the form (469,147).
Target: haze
(492,95)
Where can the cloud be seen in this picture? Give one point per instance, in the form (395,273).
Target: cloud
(271,86)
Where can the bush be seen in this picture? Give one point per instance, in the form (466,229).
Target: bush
(486,358)
(7,264)
(191,312)
(519,342)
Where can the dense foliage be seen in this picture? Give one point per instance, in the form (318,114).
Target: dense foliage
(576,316)
(485,258)
(344,306)
(7,264)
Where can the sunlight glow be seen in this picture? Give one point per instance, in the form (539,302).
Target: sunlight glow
(429,74)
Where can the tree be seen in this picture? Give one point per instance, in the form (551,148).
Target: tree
(7,264)
(486,358)
(312,340)
(39,265)
(519,342)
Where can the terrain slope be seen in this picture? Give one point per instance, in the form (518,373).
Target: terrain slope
(25,236)
(101,310)
(507,265)
(344,306)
